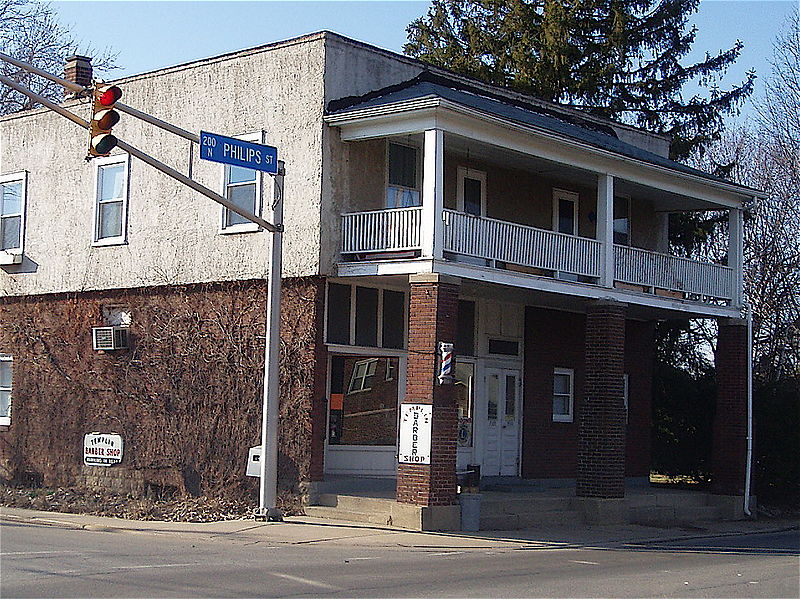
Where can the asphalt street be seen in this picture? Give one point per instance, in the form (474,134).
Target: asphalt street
(51,561)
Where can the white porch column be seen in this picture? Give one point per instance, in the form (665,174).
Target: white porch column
(605,227)
(736,252)
(432,227)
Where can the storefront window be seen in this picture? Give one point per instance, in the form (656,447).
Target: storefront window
(363,401)
(465,383)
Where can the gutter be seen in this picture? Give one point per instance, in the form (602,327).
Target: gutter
(749,458)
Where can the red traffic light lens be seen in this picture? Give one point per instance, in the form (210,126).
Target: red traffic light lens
(106,119)
(110,95)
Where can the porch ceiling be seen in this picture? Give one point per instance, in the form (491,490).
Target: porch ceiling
(661,200)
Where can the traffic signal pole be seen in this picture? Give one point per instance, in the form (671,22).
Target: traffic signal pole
(268,467)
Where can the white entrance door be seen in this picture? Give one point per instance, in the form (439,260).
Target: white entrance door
(501,432)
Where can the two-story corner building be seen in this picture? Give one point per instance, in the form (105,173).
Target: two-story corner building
(420,208)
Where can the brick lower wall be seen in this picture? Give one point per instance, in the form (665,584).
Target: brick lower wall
(186,397)
(555,339)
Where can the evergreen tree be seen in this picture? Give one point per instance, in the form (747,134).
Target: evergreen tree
(615,58)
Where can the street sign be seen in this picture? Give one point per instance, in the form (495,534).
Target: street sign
(229,150)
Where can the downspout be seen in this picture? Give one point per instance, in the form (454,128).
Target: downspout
(749,458)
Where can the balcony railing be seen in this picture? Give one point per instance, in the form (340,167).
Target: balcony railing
(397,229)
(492,242)
(672,273)
(510,243)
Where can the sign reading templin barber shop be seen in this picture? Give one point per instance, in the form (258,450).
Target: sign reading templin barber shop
(415,433)
(102,449)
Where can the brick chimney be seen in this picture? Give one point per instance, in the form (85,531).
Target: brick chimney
(78,69)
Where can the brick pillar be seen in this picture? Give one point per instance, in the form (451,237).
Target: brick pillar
(729,449)
(601,417)
(432,318)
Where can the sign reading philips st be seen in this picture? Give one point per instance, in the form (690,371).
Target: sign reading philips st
(229,150)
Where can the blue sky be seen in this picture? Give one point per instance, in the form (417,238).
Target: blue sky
(151,35)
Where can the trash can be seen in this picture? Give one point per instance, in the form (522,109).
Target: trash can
(470,511)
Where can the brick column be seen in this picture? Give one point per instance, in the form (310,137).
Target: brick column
(601,418)
(729,449)
(432,318)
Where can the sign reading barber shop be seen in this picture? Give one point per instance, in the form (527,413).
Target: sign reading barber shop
(102,449)
(415,433)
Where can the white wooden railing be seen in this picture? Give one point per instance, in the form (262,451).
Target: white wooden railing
(496,241)
(395,229)
(661,271)
(511,243)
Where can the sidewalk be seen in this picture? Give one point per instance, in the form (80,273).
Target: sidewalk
(299,530)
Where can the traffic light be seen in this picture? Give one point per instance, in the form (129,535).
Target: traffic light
(104,117)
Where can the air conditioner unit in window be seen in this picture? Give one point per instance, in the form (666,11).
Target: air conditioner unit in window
(109,338)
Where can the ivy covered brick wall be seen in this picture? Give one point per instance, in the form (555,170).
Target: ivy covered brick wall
(186,397)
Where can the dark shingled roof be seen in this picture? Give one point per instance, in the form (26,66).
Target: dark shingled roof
(583,130)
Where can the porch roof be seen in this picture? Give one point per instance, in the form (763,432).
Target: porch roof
(430,86)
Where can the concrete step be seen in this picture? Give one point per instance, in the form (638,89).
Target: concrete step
(354,503)
(513,505)
(335,513)
(677,500)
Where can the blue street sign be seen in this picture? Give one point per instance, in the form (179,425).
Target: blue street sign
(228,150)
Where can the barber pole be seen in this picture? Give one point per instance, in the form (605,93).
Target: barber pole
(445,363)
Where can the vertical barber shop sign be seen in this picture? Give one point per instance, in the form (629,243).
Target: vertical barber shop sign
(415,433)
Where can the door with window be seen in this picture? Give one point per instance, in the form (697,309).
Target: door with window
(502,423)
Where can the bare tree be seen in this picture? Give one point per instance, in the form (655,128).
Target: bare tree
(765,154)
(31,32)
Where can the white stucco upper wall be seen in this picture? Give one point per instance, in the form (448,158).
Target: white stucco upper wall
(173,232)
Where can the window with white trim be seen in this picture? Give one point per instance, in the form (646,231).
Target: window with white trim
(111,200)
(12,213)
(363,373)
(471,191)
(622,220)
(563,394)
(6,387)
(565,212)
(403,186)
(243,188)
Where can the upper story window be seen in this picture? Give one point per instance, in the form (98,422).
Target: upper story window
(111,200)
(403,188)
(565,212)
(12,214)
(242,187)
(6,385)
(471,193)
(622,221)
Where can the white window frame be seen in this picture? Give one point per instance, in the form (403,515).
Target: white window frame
(370,366)
(6,420)
(570,196)
(99,163)
(470,173)
(627,200)
(418,172)
(247,227)
(571,405)
(14,255)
